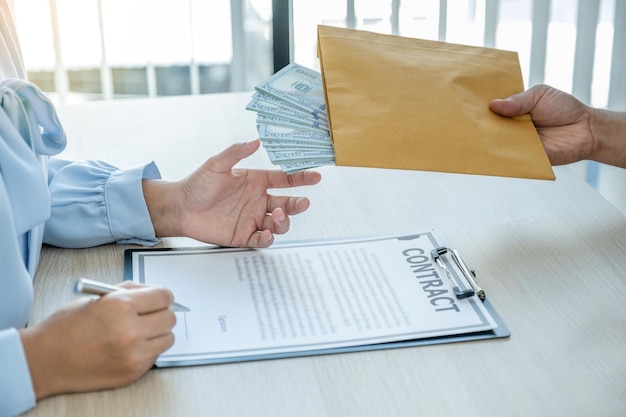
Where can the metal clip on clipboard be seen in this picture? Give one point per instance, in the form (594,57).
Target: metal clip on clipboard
(469,275)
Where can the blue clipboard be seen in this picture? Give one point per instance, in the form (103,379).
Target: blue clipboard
(500,331)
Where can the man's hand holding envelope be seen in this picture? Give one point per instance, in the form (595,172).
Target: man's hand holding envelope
(403,103)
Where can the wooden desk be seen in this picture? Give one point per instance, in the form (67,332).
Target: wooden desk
(550,255)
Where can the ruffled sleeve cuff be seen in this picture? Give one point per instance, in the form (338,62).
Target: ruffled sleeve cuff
(127,211)
(94,203)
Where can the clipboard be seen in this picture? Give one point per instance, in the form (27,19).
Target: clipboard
(133,261)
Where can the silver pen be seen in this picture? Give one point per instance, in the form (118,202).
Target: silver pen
(91,287)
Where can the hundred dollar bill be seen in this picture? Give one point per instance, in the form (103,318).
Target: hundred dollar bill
(292,121)
(286,145)
(266,98)
(266,119)
(297,85)
(290,168)
(281,157)
(291,133)
(273,109)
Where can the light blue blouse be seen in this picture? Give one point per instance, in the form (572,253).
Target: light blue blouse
(43,199)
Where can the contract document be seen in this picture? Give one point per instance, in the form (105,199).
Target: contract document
(312,297)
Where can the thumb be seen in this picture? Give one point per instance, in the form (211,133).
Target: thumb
(229,157)
(508,107)
(520,103)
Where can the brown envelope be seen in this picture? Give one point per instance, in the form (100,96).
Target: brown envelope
(403,103)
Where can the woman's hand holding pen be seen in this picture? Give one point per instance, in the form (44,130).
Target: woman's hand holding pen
(106,343)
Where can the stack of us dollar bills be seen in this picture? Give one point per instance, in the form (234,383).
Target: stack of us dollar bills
(291,119)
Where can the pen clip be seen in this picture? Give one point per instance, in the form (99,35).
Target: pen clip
(469,275)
